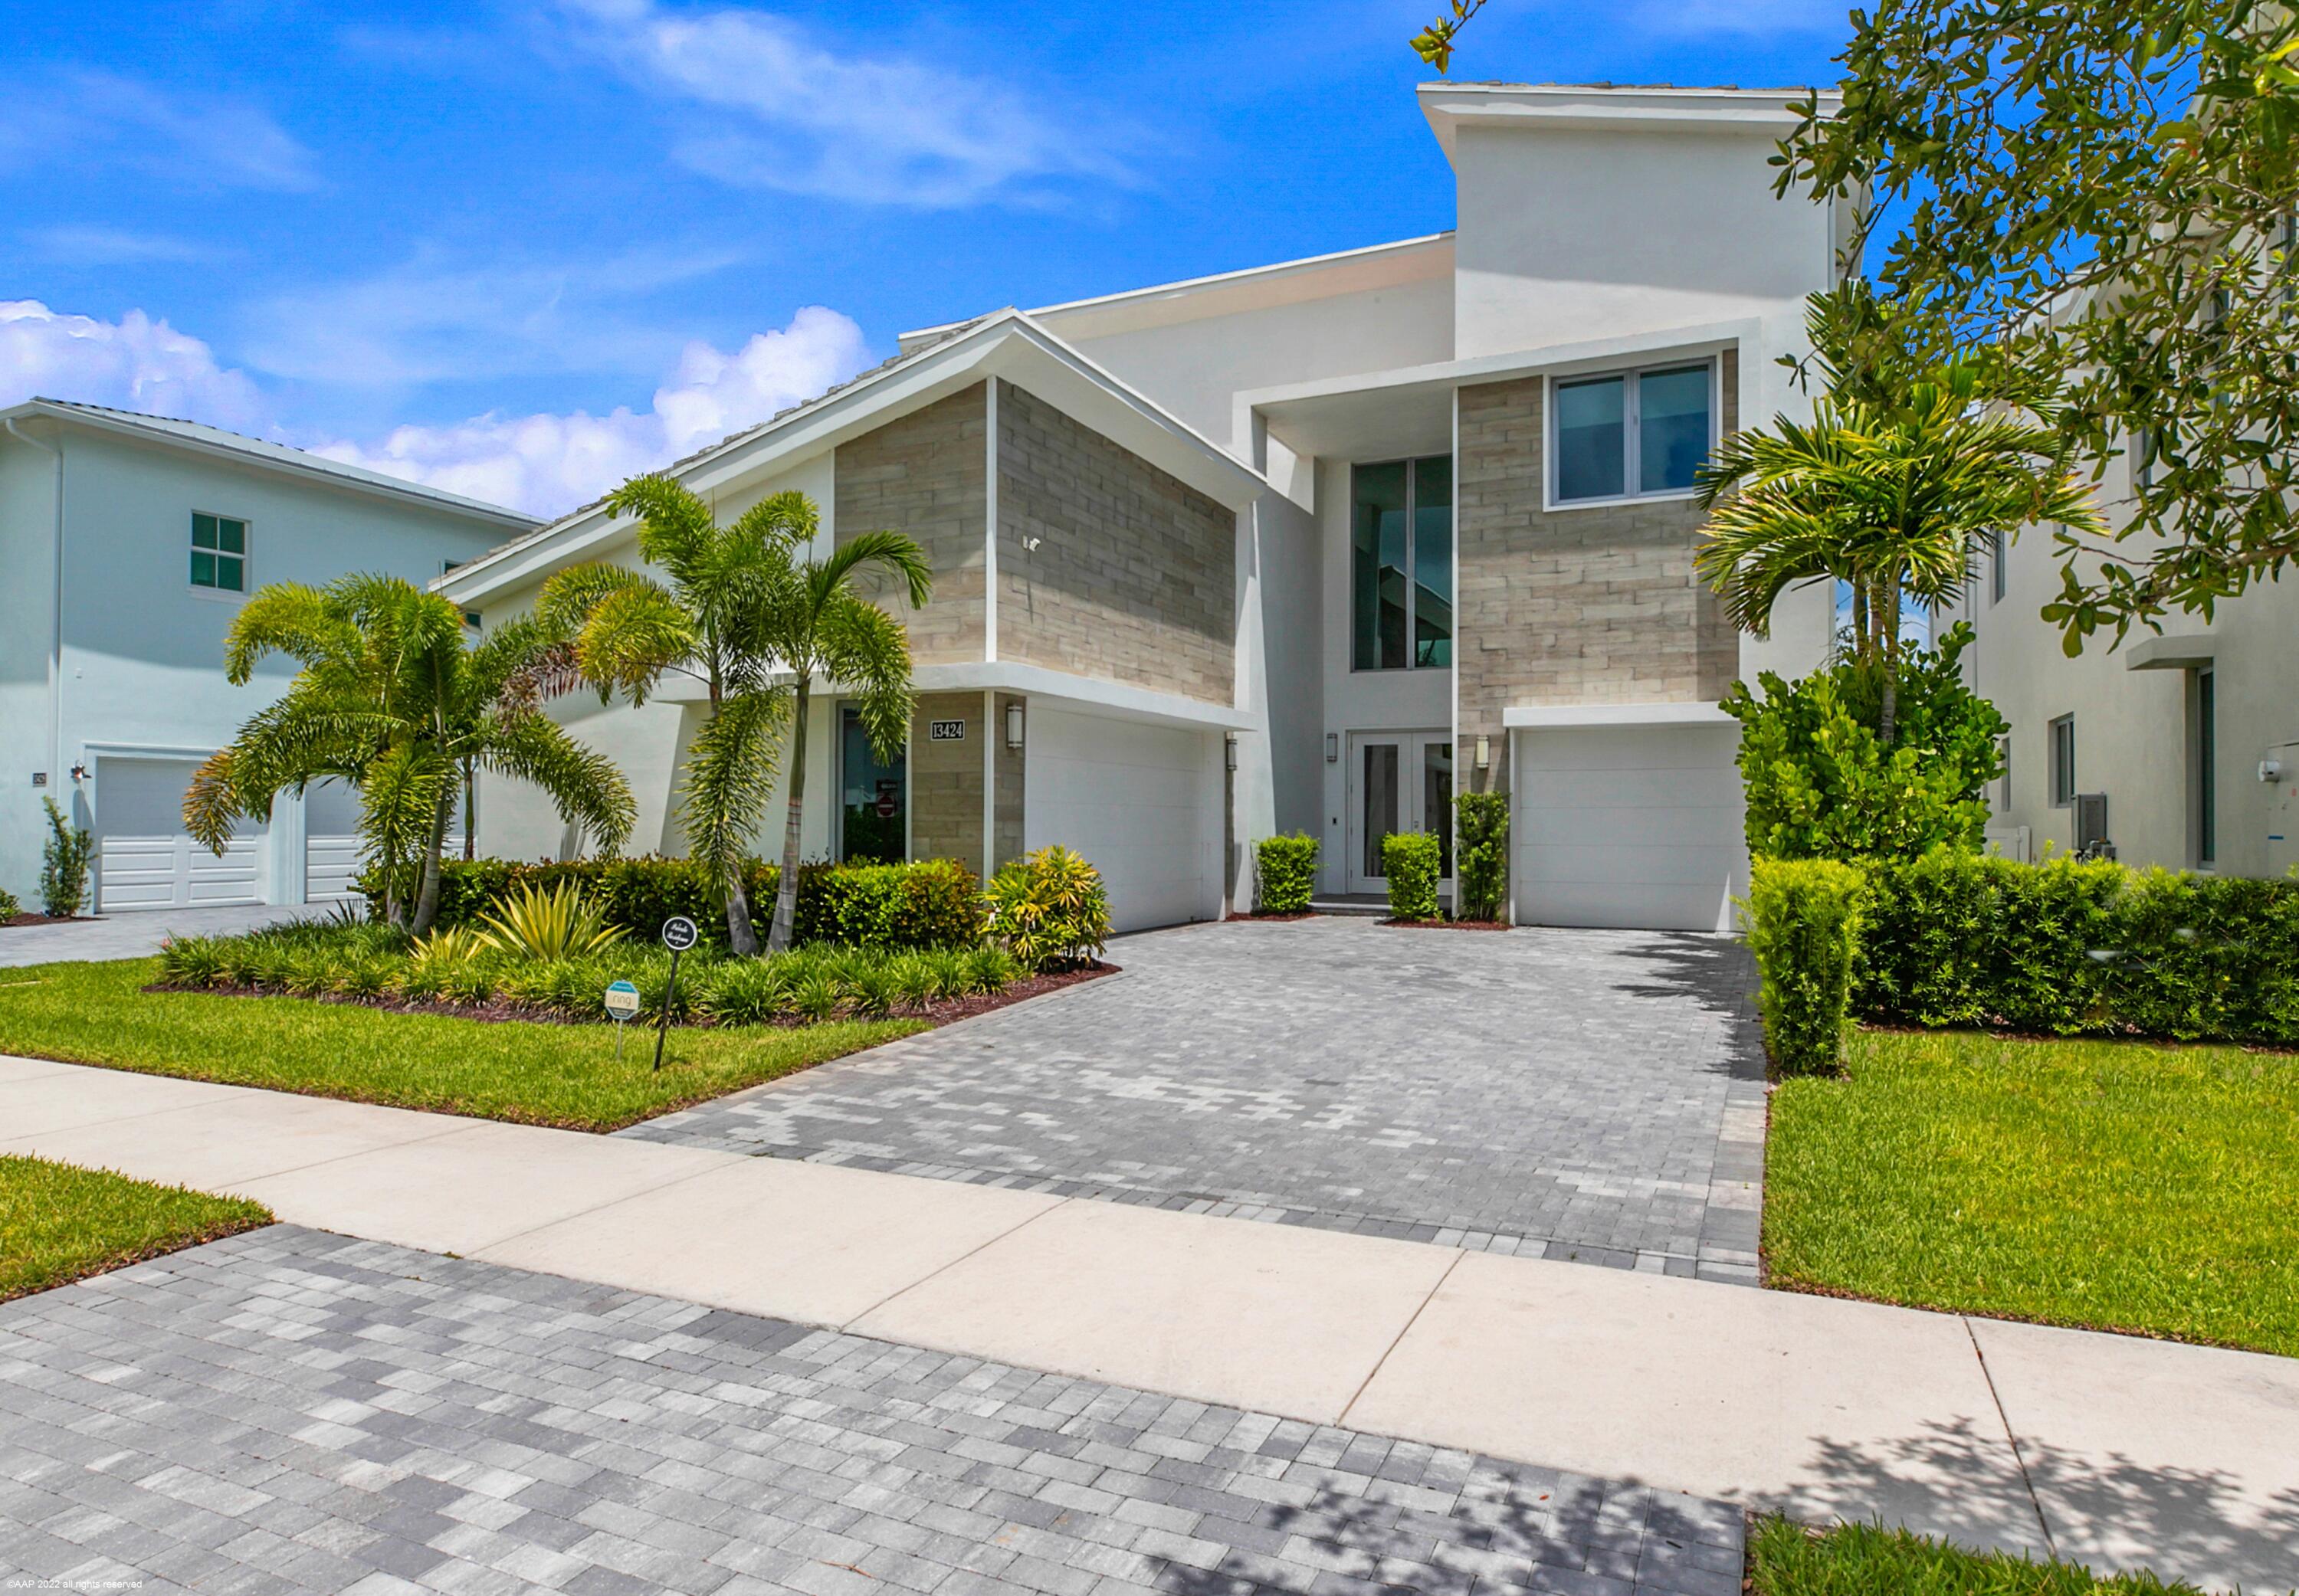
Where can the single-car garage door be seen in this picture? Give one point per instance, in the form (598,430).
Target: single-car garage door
(1638,827)
(143,858)
(1141,801)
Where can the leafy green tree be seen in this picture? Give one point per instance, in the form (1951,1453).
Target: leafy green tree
(1823,784)
(2103,195)
(747,613)
(1890,489)
(393,699)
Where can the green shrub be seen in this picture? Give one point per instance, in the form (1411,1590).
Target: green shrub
(936,903)
(63,863)
(1284,874)
(1411,861)
(535,923)
(1820,783)
(9,907)
(1050,910)
(1803,926)
(1482,859)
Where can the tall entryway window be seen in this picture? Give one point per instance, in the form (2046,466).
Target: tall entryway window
(873,797)
(1401,565)
(1399,781)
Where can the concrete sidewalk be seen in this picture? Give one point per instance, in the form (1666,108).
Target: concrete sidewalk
(2110,1450)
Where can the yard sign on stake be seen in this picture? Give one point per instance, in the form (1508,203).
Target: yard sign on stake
(678,935)
(622,1002)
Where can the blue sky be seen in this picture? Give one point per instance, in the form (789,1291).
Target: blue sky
(521,249)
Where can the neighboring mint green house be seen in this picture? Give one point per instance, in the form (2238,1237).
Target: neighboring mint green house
(127,544)
(1310,546)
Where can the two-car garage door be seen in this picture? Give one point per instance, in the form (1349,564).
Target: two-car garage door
(1632,826)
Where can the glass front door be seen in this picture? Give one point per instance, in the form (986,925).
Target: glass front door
(874,798)
(1399,781)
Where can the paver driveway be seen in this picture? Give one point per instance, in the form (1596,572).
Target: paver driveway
(1588,1095)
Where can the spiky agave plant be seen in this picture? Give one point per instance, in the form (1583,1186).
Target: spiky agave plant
(561,924)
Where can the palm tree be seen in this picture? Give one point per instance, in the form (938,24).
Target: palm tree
(393,699)
(745,613)
(1893,498)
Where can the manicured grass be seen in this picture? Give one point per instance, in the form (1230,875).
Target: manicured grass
(59,1223)
(1859,1560)
(2114,1185)
(536,1074)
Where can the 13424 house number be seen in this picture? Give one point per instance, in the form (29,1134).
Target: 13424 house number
(947,731)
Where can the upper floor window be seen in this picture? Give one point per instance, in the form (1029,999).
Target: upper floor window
(1630,434)
(220,553)
(1401,565)
(2063,761)
(1998,546)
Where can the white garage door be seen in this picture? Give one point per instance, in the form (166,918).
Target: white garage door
(1141,802)
(145,860)
(332,851)
(1637,827)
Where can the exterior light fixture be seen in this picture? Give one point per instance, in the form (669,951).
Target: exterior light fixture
(1014,727)
(1229,751)
(1484,753)
(79,772)
(1332,748)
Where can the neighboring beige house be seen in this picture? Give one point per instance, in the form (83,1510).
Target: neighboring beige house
(2190,737)
(1307,546)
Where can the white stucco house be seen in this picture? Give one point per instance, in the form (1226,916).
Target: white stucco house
(2183,744)
(127,544)
(1306,546)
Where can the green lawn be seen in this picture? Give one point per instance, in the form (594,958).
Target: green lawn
(536,1074)
(59,1223)
(1857,1560)
(2114,1185)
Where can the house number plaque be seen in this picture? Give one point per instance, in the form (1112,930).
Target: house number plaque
(947,731)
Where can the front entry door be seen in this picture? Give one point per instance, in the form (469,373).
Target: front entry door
(872,828)
(1399,781)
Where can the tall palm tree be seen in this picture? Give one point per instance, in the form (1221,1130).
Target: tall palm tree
(745,612)
(393,699)
(1893,497)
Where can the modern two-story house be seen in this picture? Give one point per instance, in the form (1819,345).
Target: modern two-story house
(127,544)
(1311,546)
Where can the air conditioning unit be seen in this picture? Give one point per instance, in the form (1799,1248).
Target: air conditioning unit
(2091,827)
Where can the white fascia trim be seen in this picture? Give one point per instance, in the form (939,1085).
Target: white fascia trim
(313,468)
(1535,108)
(1219,279)
(1003,345)
(1556,360)
(1118,698)
(1558,718)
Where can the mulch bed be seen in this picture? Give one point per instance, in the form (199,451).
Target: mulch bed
(28,918)
(500,1010)
(1451,925)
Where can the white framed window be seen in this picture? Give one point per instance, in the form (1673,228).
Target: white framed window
(2203,754)
(1640,434)
(218,552)
(2063,761)
(1998,577)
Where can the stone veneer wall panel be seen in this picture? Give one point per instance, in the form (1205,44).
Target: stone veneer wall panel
(946,780)
(1131,577)
(1599,605)
(927,474)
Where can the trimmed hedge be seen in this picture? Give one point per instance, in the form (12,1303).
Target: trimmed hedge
(1956,938)
(1482,860)
(1803,926)
(936,903)
(1285,874)
(1411,860)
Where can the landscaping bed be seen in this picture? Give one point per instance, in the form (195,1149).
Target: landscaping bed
(2108,1184)
(60,1223)
(1865,1560)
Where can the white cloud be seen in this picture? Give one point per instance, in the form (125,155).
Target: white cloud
(544,464)
(812,118)
(548,464)
(207,138)
(133,364)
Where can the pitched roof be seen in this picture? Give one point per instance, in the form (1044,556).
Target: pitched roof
(198,434)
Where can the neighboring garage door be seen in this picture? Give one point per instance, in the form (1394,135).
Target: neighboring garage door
(1637,827)
(1139,801)
(143,858)
(331,843)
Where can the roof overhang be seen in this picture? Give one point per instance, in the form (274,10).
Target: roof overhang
(1568,107)
(2172,653)
(1566,717)
(1119,700)
(1008,345)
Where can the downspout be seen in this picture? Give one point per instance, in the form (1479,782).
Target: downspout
(55,604)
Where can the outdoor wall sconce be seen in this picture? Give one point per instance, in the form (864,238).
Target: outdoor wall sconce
(1332,748)
(1484,753)
(1229,751)
(1014,728)
(79,772)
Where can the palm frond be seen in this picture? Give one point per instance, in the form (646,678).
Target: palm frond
(898,554)
(731,764)
(583,783)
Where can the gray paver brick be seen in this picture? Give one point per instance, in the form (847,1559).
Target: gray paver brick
(145,1417)
(1594,1096)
